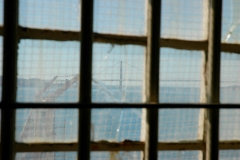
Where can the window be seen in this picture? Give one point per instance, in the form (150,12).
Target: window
(113,79)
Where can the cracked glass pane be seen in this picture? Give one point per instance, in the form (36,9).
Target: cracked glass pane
(46,125)
(231,21)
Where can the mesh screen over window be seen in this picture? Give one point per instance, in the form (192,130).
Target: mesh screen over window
(179,155)
(46,125)
(120,17)
(180,76)
(230,78)
(184,19)
(52,14)
(48,71)
(46,156)
(229,124)
(179,124)
(117,73)
(229,154)
(116,124)
(115,155)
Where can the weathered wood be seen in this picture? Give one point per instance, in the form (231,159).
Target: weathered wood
(123,146)
(151,85)
(211,79)
(109,146)
(60,35)
(201,122)
(212,58)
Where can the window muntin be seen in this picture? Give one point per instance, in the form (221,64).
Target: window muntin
(1,63)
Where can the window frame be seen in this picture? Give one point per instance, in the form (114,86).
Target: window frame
(12,33)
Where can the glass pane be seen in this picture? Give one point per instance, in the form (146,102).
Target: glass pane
(117,73)
(230,78)
(184,19)
(115,155)
(179,155)
(179,124)
(116,124)
(231,21)
(48,71)
(52,14)
(120,17)
(229,124)
(180,76)
(46,125)
(117,77)
(229,154)
(46,156)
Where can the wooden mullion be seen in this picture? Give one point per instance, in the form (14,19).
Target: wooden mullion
(85,86)
(10,41)
(151,87)
(211,80)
